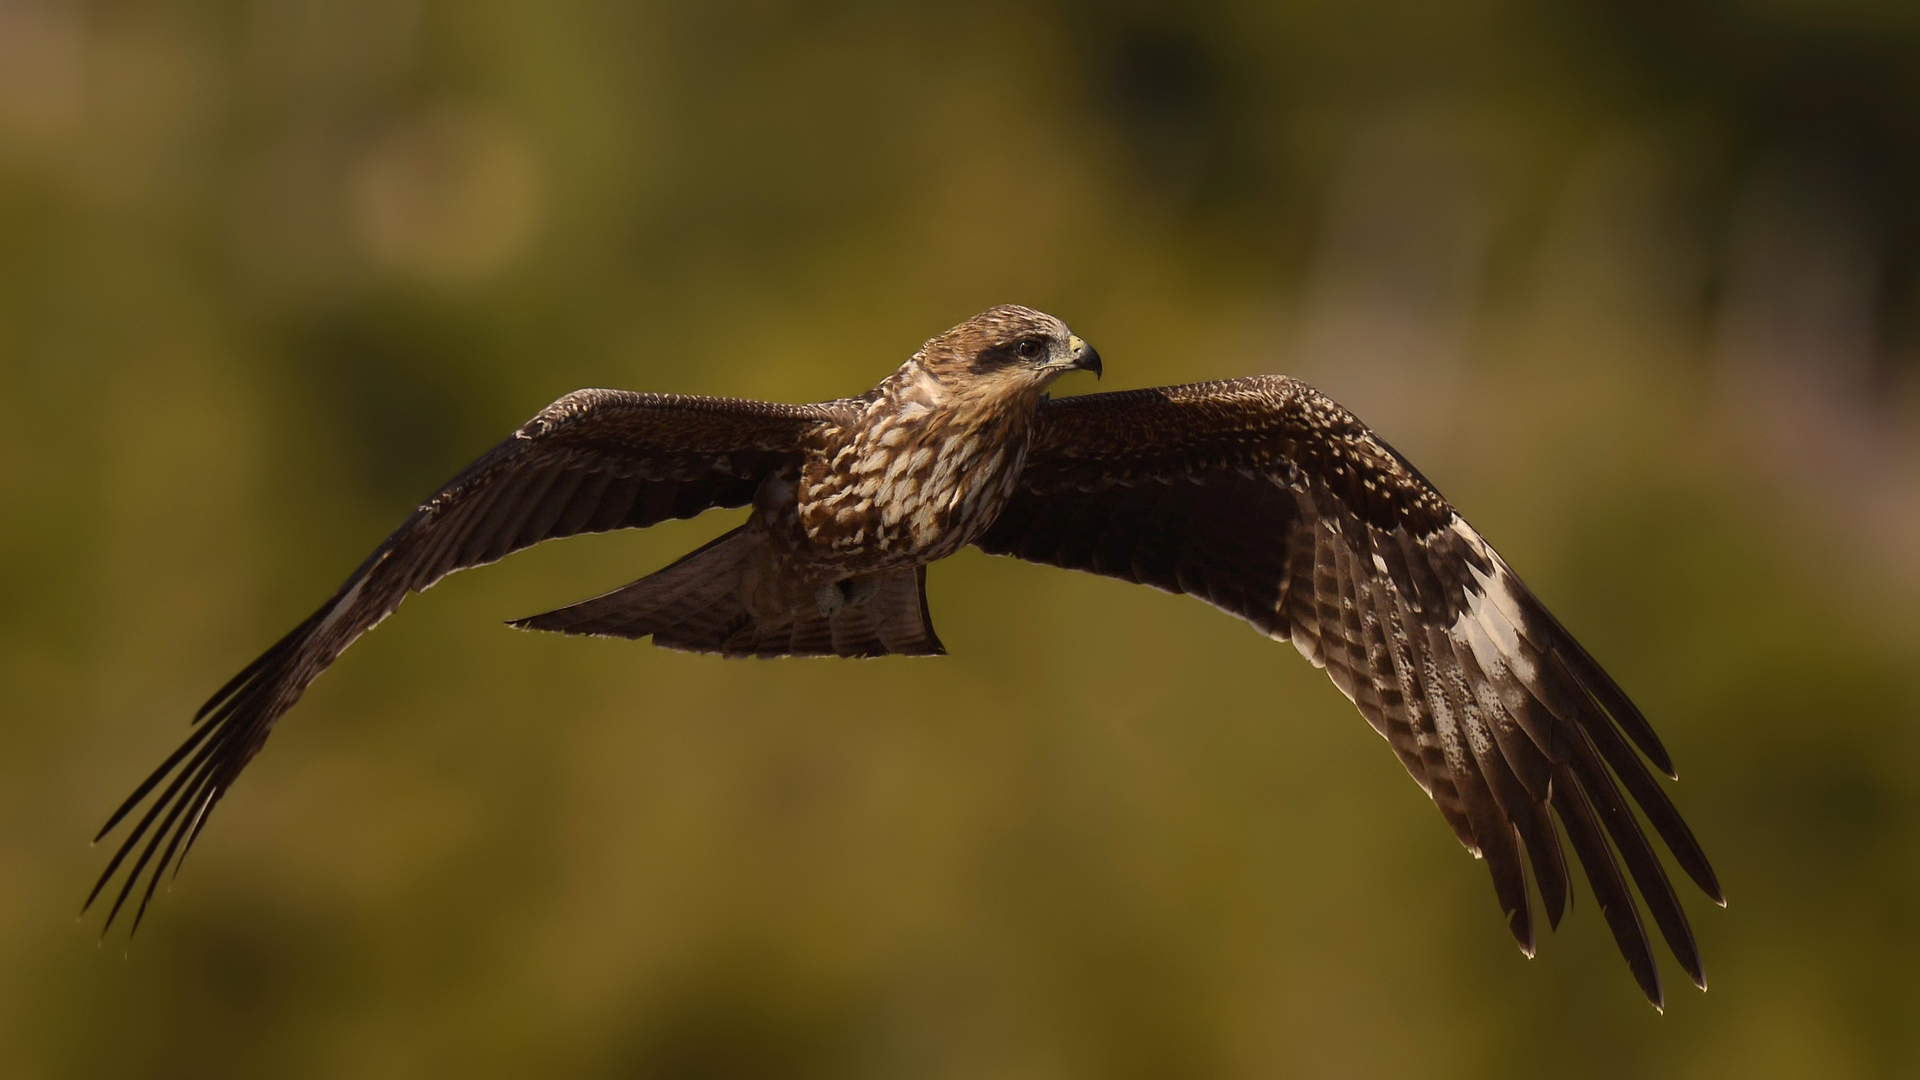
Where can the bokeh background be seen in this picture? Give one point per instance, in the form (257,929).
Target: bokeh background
(1634,282)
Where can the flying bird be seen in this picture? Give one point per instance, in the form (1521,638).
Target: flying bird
(1258,495)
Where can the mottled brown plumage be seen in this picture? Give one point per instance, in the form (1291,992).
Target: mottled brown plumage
(1257,495)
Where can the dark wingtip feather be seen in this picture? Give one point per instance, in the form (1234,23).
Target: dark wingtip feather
(1644,866)
(153,780)
(1520,924)
(1651,797)
(1500,845)
(1609,887)
(197,782)
(1588,672)
(1510,884)
(1549,863)
(236,686)
(199,820)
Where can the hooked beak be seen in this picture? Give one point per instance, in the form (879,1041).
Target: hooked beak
(1085,358)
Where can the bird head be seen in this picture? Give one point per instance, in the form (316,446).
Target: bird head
(1008,349)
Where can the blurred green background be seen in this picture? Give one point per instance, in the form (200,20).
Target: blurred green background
(1633,282)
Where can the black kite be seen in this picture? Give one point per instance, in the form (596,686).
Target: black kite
(1257,495)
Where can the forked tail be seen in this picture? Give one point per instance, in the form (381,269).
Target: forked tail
(698,604)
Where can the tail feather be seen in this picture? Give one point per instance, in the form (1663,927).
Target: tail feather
(696,592)
(696,605)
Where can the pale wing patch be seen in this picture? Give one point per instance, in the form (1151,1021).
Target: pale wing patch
(1495,608)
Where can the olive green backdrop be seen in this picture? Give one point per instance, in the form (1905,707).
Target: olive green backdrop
(1633,283)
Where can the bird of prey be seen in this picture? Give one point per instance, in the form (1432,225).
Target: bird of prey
(1258,495)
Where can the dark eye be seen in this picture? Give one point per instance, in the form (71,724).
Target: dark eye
(1029,350)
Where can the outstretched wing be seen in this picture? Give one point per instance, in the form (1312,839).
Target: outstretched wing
(1271,502)
(594,460)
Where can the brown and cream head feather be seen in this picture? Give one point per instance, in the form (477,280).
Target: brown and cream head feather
(1005,350)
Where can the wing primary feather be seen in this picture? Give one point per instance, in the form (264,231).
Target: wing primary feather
(178,806)
(1473,632)
(1653,800)
(1642,863)
(197,765)
(234,685)
(160,868)
(1501,849)
(1597,682)
(1522,759)
(271,656)
(199,819)
(1550,874)
(1603,872)
(153,779)
(202,797)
